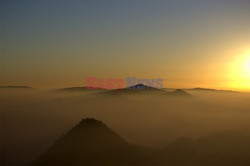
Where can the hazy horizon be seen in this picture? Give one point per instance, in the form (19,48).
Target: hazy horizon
(81,86)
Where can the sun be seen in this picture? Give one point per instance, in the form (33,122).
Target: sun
(239,72)
(246,67)
(248,64)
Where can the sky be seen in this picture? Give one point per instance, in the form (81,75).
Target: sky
(187,43)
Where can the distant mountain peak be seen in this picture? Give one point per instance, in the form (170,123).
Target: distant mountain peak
(140,86)
(211,90)
(77,89)
(179,92)
(16,87)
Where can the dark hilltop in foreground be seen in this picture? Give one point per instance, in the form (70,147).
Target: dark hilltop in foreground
(91,142)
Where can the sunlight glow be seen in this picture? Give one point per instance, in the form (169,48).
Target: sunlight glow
(248,63)
(246,67)
(239,72)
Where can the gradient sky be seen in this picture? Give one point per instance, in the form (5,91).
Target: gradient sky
(188,43)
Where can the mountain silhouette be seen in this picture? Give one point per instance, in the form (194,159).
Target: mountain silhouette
(220,148)
(144,89)
(211,90)
(16,87)
(135,89)
(179,92)
(92,143)
(77,89)
(141,86)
